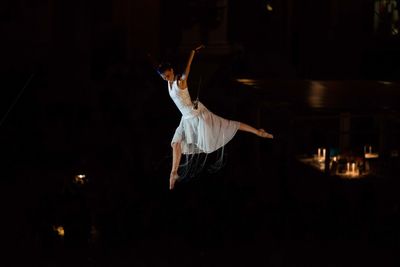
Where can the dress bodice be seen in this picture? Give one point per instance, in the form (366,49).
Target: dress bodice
(182,100)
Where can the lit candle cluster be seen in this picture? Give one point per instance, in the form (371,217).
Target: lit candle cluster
(338,165)
(348,165)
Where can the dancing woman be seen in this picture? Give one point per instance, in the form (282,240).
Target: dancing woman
(200,130)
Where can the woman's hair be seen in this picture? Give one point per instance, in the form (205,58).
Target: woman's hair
(163,67)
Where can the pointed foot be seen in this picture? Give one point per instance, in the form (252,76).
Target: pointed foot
(262,133)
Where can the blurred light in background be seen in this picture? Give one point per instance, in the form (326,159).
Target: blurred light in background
(59,230)
(80,179)
(385,82)
(316,94)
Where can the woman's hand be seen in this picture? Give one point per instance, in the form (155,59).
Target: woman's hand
(197,49)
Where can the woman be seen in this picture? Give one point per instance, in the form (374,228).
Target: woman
(200,131)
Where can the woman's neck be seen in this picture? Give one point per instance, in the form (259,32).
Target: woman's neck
(170,83)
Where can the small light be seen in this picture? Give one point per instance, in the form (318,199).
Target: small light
(385,82)
(269,8)
(59,230)
(249,82)
(80,179)
(371,155)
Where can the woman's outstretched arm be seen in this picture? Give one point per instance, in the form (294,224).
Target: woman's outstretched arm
(184,78)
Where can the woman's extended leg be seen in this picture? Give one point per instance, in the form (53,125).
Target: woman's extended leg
(176,159)
(260,132)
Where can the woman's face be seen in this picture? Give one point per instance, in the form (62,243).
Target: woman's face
(168,75)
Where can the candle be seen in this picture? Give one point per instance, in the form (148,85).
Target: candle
(319,152)
(353,168)
(323,153)
(370,149)
(348,167)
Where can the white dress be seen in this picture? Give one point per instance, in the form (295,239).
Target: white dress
(200,130)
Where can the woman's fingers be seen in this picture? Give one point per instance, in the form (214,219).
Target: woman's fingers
(199,47)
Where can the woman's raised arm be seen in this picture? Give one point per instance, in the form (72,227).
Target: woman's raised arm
(185,75)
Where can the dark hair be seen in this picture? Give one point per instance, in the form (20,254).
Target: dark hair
(163,67)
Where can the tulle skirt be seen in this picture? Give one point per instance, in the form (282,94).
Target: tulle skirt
(205,132)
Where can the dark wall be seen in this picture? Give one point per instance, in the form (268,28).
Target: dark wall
(317,39)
